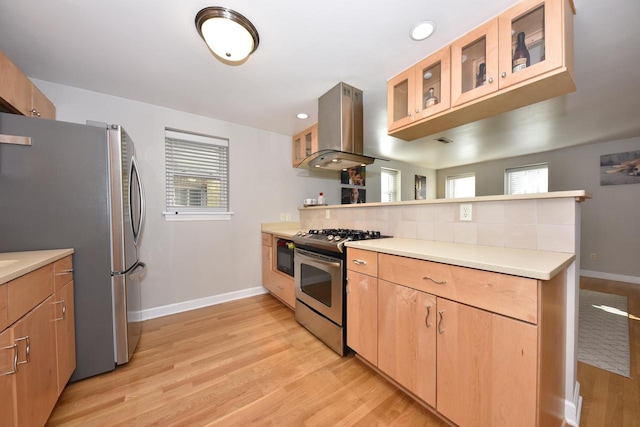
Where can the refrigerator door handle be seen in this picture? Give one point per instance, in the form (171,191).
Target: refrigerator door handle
(136,228)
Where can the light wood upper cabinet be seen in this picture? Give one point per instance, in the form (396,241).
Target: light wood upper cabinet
(487,367)
(408,94)
(19,95)
(304,144)
(548,29)
(362,315)
(407,338)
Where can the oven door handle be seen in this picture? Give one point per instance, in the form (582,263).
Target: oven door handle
(318,258)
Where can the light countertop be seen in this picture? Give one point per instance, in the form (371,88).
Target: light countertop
(16,264)
(285,229)
(518,262)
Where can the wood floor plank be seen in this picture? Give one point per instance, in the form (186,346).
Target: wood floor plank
(248,362)
(243,362)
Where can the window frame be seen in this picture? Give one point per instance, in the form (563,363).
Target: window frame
(535,166)
(398,177)
(452,178)
(201,178)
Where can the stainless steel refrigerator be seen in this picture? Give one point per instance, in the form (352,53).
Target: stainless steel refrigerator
(78,186)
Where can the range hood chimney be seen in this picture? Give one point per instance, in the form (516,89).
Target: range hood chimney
(340,131)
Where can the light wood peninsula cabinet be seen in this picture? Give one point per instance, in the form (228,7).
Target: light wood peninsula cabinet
(276,282)
(19,95)
(37,342)
(477,347)
(476,94)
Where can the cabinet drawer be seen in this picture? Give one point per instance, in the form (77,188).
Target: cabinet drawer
(63,272)
(28,291)
(4,310)
(511,296)
(266,239)
(365,262)
(282,287)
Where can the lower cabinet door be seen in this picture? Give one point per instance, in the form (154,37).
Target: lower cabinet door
(36,379)
(407,338)
(362,315)
(7,376)
(65,334)
(487,367)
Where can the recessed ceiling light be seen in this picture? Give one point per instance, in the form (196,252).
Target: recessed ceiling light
(303,116)
(422,30)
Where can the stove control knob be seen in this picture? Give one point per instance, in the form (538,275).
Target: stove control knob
(330,237)
(336,238)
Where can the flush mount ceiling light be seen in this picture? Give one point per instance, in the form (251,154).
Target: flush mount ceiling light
(303,116)
(422,30)
(230,36)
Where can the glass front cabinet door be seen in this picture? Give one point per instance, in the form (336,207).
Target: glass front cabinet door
(474,64)
(539,26)
(420,91)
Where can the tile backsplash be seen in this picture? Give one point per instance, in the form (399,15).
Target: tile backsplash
(537,224)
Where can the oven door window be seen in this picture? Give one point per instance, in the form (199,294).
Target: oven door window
(316,283)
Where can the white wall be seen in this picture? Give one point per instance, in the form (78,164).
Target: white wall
(610,225)
(194,260)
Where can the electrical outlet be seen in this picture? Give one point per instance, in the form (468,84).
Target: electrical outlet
(283,217)
(466,213)
(288,217)
(593,256)
(327,214)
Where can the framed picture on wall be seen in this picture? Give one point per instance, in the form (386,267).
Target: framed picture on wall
(620,168)
(421,187)
(352,195)
(353,176)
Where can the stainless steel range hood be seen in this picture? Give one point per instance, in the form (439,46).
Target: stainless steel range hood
(340,131)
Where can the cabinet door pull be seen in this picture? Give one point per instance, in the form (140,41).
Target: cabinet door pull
(64,272)
(35,112)
(490,80)
(440,330)
(444,282)
(14,368)
(28,352)
(359,262)
(64,310)
(504,74)
(426,319)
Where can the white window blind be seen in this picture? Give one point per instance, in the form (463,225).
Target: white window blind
(527,179)
(197,174)
(460,186)
(389,185)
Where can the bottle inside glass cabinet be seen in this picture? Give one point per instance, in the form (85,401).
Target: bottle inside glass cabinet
(521,58)
(482,75)
(431,99)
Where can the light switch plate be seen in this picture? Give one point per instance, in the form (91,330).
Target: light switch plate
(466,212)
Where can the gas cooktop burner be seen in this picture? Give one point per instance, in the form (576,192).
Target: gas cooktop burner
(334,238)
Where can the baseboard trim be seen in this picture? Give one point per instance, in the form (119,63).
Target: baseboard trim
(610,276)
(180,307)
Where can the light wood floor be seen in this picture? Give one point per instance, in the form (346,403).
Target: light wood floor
(246,362)
(608,399)
(249,363)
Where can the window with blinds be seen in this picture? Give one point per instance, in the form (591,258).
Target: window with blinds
(527,179)
(463,185)
(389,185)
(197,174)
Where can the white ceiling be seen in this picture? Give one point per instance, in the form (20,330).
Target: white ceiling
(150,51)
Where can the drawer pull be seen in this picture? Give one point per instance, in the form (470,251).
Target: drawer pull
(444,282)
(15,359)
(359,262)
(28,352)
(440,330)
(64,272)
(426,319)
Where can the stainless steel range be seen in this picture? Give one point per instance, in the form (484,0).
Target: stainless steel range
(320,273)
